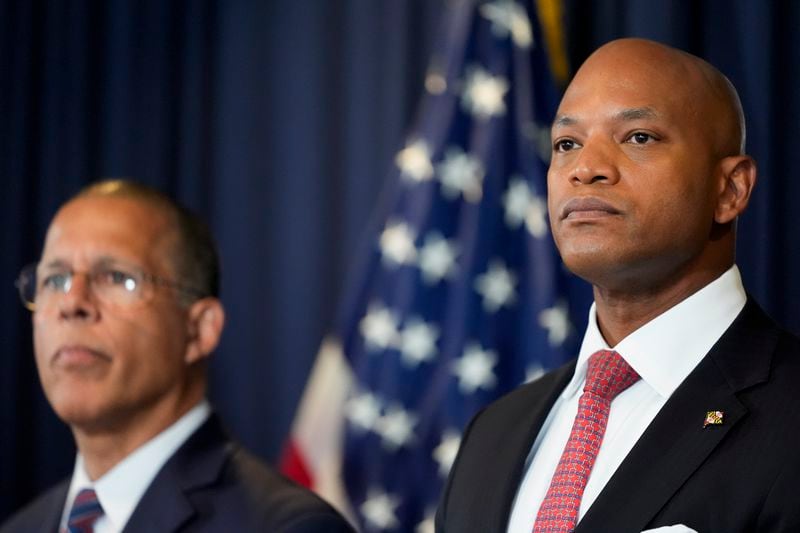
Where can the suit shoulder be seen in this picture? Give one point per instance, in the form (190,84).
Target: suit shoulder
(784,370)
(41,514)
(515,417)
(279,502)
(788,343)
(781,369)
(519,401)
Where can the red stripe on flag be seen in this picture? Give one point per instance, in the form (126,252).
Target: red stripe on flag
(293,465)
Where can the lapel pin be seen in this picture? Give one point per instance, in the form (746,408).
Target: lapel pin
(713,418)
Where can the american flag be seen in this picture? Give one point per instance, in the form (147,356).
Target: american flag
(460,294)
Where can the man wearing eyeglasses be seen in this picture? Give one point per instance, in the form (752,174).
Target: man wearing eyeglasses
(125,315)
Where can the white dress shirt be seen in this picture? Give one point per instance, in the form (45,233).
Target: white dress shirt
(120,489)
(663,352)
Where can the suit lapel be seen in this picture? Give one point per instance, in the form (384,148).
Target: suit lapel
(53,507)
(166,505)
(524,427)
(676,444)
(673,446)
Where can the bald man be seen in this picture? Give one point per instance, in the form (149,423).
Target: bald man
(681,408)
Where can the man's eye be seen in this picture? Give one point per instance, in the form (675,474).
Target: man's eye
(116,278)
(640,137)
(55,282)
(564,145)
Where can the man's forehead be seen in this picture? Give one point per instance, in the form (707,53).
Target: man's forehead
(622,102)
(107,227)
(111,212)
(625,94)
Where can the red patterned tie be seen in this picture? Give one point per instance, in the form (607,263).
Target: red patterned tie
(608,375)
(85,511)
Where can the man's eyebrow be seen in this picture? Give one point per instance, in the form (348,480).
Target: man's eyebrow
(102,261)
(106,260)
(54,263)
(565,120)
(636,113)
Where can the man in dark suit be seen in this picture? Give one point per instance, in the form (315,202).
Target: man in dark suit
(647,178)
(125,314)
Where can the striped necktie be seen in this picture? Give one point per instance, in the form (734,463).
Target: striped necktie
(85,511)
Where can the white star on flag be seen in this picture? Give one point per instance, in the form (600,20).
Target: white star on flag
(533,372)
(536,218)
(483,94)
(363,411)
(396,427)
(414,161)
(556,321)
(521,204)
(428,525)
(397,244)
(496,286)
(475,369)
(437,258)
(516,200)
(507,17)
(418,342)
(380,509)
(445,453)
(461,174)
(379,327)
(435,81)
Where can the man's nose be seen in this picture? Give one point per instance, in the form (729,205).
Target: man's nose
(595,163)
(78,302)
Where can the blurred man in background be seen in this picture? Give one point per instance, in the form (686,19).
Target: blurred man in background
(126,312)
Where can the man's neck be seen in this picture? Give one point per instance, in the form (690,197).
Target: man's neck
(103,448)
(620,312)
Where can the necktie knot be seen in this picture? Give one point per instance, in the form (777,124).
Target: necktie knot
(608,374)
(86,509)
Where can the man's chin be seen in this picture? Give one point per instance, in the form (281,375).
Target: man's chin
(602,270)
(588,263)
(82,412)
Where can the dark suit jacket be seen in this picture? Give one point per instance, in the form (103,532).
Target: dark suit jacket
(210,485)
(741,476)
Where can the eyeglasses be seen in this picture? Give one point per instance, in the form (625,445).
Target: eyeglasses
(114,284)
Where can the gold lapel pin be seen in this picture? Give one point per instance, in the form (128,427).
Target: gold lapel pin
(713,418)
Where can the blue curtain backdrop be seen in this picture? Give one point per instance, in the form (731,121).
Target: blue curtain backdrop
(278,120)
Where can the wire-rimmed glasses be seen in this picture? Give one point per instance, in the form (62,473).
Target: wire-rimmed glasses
(116,284)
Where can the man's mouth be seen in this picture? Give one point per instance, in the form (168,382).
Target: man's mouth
(587,207)
(77,356)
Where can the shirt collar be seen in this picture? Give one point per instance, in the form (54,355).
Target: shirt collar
(120,489)
(665,350)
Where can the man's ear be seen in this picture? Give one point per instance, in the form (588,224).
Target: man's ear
(737,179)
(205,320)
